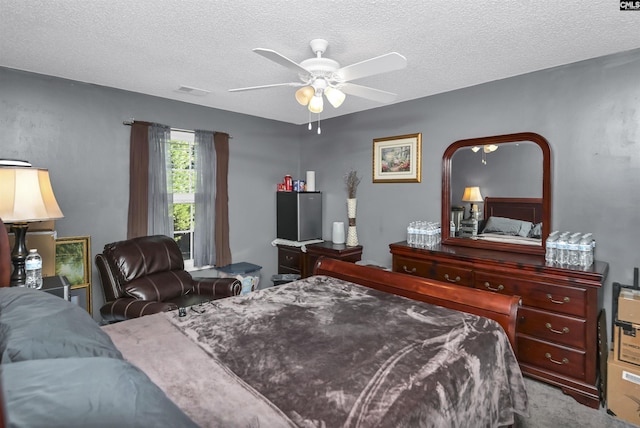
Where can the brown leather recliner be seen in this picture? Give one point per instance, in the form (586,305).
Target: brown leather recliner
(143,276)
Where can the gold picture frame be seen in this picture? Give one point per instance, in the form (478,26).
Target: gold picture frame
(72,262)
(398,159)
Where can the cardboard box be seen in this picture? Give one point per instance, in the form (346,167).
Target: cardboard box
(45,243)
(623,390)
(629,306)
(626,344)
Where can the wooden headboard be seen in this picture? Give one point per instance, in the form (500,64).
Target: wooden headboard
(526,209)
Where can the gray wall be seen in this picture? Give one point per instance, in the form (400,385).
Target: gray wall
(589,112)
(75,130)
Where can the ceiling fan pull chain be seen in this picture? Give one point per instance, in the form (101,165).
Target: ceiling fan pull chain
(310,127)
(319,131)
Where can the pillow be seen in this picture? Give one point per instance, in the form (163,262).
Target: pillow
(39,325)
(536,231)
(85,392)
(507,226)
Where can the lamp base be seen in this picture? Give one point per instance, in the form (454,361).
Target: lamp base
(19,255)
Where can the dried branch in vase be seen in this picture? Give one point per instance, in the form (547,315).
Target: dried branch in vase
(352,180)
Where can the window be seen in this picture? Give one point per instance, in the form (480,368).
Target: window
(182,154)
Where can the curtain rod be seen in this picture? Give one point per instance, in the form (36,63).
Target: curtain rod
(131,121)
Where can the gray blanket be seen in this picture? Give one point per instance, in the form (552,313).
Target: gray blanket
(324,352)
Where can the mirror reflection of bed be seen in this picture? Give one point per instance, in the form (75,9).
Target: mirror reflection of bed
(513,172)
(512,220)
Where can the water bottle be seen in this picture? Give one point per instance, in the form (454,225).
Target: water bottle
(562,255)
(33,266)
(586,258)
(574,249)
(550,256)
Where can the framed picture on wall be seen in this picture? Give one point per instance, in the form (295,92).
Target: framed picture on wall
(72,259)
(397,159)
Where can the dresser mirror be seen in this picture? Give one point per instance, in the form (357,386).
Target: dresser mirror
(499,189)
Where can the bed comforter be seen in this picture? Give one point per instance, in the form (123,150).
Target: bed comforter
(322,352)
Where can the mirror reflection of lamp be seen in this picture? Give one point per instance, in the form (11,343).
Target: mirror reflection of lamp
(473,196)
(27,196)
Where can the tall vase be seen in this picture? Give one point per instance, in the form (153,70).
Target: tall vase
(352,235)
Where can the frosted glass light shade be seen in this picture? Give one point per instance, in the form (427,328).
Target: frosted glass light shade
(27,195)
(335,96)
(304,95)
(316,105)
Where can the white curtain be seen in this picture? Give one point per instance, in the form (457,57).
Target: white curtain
(204,253)
(160,220)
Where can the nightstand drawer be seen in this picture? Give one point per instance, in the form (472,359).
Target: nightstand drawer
(433,270)
(565,299)
(556,358)
(289,261)
(552,327)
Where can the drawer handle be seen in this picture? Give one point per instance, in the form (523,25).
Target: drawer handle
(407,270)
(557,302)
(289,258)
(489,287)
(565,330)
(563,362)
(446,276)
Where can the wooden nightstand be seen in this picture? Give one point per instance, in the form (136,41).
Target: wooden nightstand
(293,260)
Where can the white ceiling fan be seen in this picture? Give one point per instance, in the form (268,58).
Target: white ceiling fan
(323,76)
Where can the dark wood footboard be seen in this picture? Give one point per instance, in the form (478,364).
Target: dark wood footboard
(501,308)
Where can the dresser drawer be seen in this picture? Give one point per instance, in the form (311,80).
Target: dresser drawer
(556,328)
(434,270)
(556,358)
(559,298)
(289,261)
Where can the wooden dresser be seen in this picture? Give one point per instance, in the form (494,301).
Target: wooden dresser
(557,334)
(293,260)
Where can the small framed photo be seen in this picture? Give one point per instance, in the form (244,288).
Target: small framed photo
(72,259)
(397,159)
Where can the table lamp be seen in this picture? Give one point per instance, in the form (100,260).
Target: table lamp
(27,196)
(472,195)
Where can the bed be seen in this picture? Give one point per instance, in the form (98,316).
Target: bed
(512,221)
(341,348)
(350,346)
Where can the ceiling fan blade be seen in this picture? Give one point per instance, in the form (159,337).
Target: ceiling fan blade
(380,64)
(368,93)
(273,85)
(281,59)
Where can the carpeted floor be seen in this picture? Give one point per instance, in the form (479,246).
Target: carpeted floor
(549,407)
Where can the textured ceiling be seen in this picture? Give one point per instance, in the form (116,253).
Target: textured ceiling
(156,46)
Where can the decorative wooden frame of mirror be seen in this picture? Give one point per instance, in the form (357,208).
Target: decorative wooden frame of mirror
(546,192)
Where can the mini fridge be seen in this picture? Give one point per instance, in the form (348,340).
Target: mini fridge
(299,215)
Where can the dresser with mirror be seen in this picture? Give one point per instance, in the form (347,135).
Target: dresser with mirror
(557,331)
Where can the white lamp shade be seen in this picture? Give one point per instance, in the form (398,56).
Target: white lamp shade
(304,95)
(27,195)
(472,194)
(316,105)
(335,96)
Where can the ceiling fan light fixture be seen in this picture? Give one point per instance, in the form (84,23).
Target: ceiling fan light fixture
(316,105)
(335,96)
(304,95)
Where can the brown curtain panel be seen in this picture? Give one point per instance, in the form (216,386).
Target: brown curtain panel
(5,257)
(138,180)
(223,251)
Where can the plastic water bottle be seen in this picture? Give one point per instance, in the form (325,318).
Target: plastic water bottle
(574,249)
(33,266)
(551,255)
(586,256)
(562,255)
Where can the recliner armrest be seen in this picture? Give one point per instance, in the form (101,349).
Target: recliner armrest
(217,287)
(127,308)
